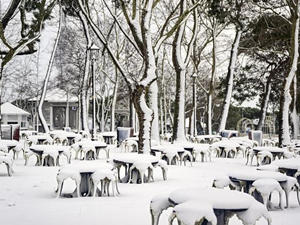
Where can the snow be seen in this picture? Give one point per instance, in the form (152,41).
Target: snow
(29,198)
(9,109)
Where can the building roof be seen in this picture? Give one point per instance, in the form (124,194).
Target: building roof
(57,95)
(10,109)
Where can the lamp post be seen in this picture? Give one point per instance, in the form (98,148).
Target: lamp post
(94,51)
(194,132)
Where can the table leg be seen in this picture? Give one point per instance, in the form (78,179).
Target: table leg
(86,186)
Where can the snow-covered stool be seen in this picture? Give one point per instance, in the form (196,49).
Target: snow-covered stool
(117,165)
(48,141)
(76,148)
(105,177)
(67,153)
(265,187)
(203,151)
(297,176)
(216,150)
(88,152)
(141,166)
(230,152)
(186,156)
(17,149)
(8,161)
(164,167)
(242,149)
(264,157)
(32,141)
(158,204)
(221,181)
(288,186)
(60,139)
(130,146)
(254,213)
(3,148)
(64,174)
(289,155)
(171,156)
(28,153)
(77,138)
(50,157)
(193,212)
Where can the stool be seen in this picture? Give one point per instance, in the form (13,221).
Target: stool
(204,152)
(158,204)
(88,152)
(105,177)
(7,160)
(265,187)
(193,212)
(50,157)
(64,174)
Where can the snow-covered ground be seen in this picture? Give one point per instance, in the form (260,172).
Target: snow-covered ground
(28,197)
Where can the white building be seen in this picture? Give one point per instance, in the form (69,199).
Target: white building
(13,115)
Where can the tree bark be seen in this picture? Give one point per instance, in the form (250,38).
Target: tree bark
(229,79)
(286,99)
(43,95)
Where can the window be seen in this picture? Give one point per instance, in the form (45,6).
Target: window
(23,124)
(12,117)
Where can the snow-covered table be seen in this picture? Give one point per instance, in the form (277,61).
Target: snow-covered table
(86,169)
(40,149)
(69,135)
(275,151)
(247,177)
(289,166)
(207,138)
(223,202)
(128,160)
(108,136)
(39,138)
(226,144)
(97,144)
(168,152)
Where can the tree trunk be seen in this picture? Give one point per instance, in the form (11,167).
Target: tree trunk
(154,107)
(285,100)
(295,117)
(85,84)
(229,79)
(145,116)
(180,69)
(264,104)
(43,95)
(211,85)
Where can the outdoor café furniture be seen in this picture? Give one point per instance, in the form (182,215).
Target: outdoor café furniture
(81,173)
(97,144)
(288,166)
(46,154)
(202,204)
(39,139)
(170,153)
(265,187)
(275,151)
(129,145)
(247,177)
(87,152)
(135,166)
(8,161)
(25,133)
(288,186)
(105,177)
(108,137)
(203,150)
(264,157)
(209,139)
(228,148)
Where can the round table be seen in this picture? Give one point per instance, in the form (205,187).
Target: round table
(163,149)
(289,166)
(98,146)
(127,160)
(226,144)
(222,200)
(275,151)
(39,150)
(86,169)
(108,136)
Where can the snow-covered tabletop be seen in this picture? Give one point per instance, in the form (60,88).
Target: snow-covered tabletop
(290,166)
(39,138)
(9,143)
(130,159)
(108,136)
(86,169)
(275,151)
(249,176)
(40,149)
(221,201)
(97,144)
(164,148)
